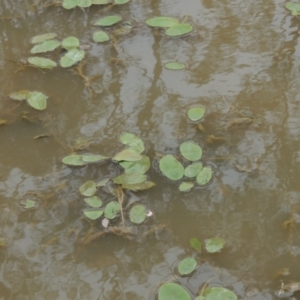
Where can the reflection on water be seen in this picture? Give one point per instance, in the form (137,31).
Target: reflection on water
(242,62)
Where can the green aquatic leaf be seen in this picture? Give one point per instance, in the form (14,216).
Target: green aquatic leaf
(20,96)
(171,167)
(187,266)
(214,244)
(70,42)
(193,170)
(101,2)
(196,244)
(108,20)
(119,2)
(28,203)
(218,293)
(84,3)
(100,36)
(69,4)
(162,22)
(93,201)
(43,37)
(186,186)
(111,210)
(172,291)
(88,189)
(127,155)
(191,151)
(196,113)
(293,6)
(140,166)
(73,160)
(41,62)
(46,46)
(93,214)
(103,182)
(204,176)
(37,100)
(93,158)
(134,142)
(139,186)
(133,178)
(179,30)
(71,58)
(137,214)
(174,66)
(295,13)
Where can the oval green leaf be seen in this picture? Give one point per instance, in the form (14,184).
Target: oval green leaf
(293,6)
(140,166)
(214,244)
(218,293)
(108,20)
(172,291)
(139,186)
(195,243)
(186,186)
(41,62)
(69,4)
(127,155)
(93,214)
(134,142)
(187,266)
(196,113)
(112,209)
(137,214)
(93,158)
(119,2)
(20,96)
(71,58)
(191,151)
(174,66)
(100,36)
(179,30)
(161,22)
(171,167)
(70,42)
(43,37)
(46,46)
(93,201)
(28,203)
(133,178)
(193,170)
(73,160)
(204,176)
(84,3)
(37,100)
(88,189)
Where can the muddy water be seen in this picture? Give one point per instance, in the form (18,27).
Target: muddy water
(242,61)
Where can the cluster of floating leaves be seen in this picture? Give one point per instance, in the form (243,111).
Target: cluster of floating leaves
(36,100)
(212,245)
(293,7)
(173,27)
(69,4)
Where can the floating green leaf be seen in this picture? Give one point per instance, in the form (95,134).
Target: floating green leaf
(69,4)
(93,201)
(162,22)
(28,203)
(174,66)
(43,37)
(101,2)
(140,166)
(100,36)
(137,214)
(172,291)
(71,58)
(46,46)
(195,243)
(41,62)
(204,176)
(196,113)
(139,186)
(93,158)
(118,2)
(179,30)
(88,189)
(70,42)
(191,151)
(93,214)
(134,142)
(84,3)
(171,167)
(133,178)
(108,20)
(193,170)
(103,182)
(37,100)
(73,160)
(127,155)
(187,266)
(20,96)
(186,186)
(112,209)
(218,293)
(214,244)
(293,6)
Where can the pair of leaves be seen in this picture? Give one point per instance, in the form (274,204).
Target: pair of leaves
(83,159)
(72,57)
(294,7)
(217,293)
(110,212)
(212,245)
(36,100)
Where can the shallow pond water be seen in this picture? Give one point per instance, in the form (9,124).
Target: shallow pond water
(242,64)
